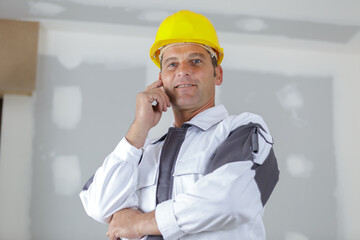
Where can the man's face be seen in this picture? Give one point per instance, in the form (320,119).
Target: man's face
(188,77)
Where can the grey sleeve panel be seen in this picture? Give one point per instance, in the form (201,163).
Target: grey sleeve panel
(88,183)
(240,145)
(266,176)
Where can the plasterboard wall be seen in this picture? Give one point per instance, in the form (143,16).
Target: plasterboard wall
(84,103)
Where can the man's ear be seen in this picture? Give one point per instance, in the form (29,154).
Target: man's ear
(219,75)
(160,75)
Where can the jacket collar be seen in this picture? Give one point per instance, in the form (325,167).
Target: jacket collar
(204,120)
(208,118)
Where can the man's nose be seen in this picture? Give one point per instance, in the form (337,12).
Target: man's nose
(183,70)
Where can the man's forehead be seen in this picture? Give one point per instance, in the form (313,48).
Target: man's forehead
(187,50)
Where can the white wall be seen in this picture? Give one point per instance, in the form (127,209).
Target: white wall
(68,51)
(340,62)
(16,167)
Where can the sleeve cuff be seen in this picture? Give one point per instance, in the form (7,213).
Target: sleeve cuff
(128,152)
(166,221)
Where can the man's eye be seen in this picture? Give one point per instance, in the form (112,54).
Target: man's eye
(196,61)
(172,65)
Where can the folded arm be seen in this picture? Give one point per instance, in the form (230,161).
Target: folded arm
(239,182)
(114,184)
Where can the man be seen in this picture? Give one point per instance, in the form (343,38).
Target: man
(210,176)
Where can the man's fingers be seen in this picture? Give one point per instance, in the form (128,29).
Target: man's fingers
(165,97)
(162,100)
(109,236)
(158,94)
(166,102)
(156,84)
(112,237)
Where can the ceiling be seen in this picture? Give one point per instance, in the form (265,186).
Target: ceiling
(321,20)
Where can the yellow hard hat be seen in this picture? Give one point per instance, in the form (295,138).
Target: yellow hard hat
(185,26)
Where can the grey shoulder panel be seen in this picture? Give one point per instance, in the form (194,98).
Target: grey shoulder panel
(240,145)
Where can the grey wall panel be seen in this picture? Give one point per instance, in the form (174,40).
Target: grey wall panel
(299,112)
(67,154)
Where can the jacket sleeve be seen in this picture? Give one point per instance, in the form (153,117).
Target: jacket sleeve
(113,185)
(241,176)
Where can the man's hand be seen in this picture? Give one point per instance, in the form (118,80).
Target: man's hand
(132,224)
(147,115)
(124,224)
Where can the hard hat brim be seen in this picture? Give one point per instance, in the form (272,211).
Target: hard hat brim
(155,49)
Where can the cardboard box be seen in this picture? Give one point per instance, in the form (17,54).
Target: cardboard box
(18,56)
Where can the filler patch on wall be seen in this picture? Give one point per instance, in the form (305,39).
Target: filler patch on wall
(67,105)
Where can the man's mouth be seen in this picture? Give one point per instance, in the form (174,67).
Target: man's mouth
(184,85)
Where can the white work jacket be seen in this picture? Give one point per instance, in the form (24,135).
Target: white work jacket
(225,202)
